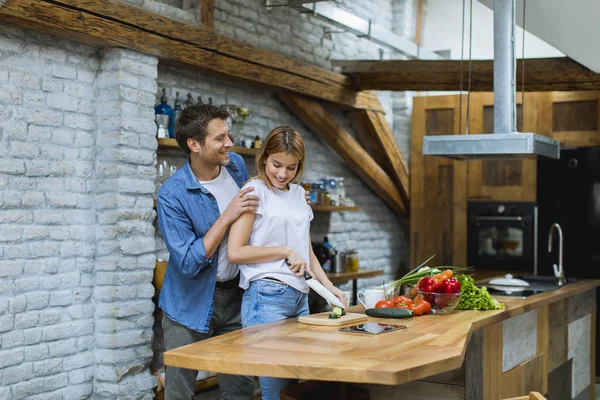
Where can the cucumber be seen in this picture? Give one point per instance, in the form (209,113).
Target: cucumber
(389,313)
(336,312)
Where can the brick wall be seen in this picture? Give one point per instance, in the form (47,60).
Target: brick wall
(78,154)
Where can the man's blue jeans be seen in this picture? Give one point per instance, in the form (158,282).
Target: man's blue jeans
(269,301)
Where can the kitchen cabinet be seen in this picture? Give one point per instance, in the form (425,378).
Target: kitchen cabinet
(438,187)
(502,180)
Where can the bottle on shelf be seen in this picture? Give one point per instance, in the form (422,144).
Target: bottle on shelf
(341,191)
(256,143)
(176,113)
(188,101)
(163,114)
(199,102)
(328,256)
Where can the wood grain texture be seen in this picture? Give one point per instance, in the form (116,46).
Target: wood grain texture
(339,277)
(323,124)
(542,74)
(207,14)
(438,187)
(492,362)
(430,345)
(531,375)
(323,319)
(558,335)
(417,391)
(372,128)
(509,384)
(113,23)
(543,341)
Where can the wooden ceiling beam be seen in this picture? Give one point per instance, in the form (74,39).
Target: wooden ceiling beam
(376,136)
(113,23)
(541,74)
(323,124)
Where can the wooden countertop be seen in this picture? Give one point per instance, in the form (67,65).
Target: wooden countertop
(430,345)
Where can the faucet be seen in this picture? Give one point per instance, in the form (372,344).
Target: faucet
(559,272)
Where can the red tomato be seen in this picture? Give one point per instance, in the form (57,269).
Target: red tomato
(402,305)
(418,309)
(426,306)
(384,304)
(403,299)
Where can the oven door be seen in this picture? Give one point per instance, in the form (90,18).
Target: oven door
(501,242)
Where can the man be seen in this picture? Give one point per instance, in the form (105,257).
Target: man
(200,296)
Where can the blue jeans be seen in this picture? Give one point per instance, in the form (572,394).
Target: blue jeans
(267,301)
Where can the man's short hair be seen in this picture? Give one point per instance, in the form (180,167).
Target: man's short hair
(193,121)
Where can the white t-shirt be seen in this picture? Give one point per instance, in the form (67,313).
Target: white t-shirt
(282,219)
(224,188)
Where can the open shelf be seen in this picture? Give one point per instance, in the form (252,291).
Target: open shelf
(170,143)
(322,208)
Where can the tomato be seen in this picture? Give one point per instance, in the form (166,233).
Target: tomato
(402,299)
(418,309)
(384,304)
(403,305)
(426,306)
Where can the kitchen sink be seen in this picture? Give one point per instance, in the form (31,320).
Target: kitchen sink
(537,284)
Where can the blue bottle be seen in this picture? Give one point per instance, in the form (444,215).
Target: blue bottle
(164,108)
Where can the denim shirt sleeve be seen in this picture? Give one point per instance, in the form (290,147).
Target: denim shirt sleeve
(185,248)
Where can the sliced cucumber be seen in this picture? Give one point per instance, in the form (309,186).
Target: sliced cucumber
(389,313)
(336,312)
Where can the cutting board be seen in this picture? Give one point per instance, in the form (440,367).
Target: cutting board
(323,319)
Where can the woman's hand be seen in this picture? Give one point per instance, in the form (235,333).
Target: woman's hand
(340,295)
(296,263)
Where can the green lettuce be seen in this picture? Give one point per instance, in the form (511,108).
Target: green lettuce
(475,298)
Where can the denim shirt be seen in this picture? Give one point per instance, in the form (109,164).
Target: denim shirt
(186,211)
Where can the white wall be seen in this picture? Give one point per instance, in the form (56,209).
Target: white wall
(442,25)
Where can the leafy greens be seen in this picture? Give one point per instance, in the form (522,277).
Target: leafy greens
(474,298)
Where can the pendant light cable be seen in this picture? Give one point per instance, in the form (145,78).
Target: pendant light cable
(462,52)
(523,71)
(470,59)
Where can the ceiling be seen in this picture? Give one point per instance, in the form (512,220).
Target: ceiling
(570,26)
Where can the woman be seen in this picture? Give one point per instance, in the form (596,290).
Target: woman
(264,242)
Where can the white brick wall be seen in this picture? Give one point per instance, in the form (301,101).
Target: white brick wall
(75,186)
(46,216)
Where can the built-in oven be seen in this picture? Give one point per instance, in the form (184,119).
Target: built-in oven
(502,235)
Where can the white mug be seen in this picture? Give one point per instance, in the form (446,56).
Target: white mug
(370,297)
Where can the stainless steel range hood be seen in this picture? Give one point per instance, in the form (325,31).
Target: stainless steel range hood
(505,142)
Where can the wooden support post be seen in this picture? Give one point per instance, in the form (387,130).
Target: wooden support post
(207,14)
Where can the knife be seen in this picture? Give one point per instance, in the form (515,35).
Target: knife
(320,289)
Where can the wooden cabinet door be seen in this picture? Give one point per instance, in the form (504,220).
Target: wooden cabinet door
(438,187)
(503,180)
(573,118)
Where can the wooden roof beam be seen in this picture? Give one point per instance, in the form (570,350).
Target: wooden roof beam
(376,136)
(541,74)
(113,23)
(323,124)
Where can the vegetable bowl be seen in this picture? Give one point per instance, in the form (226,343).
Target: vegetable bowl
(441,303)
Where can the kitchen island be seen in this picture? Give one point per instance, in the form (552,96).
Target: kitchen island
(544,343)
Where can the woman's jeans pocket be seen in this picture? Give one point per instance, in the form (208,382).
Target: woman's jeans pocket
(266,301)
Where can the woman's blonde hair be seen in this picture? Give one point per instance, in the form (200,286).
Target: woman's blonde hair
(283,139)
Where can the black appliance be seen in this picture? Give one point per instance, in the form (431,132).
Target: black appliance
(568,193)
(501,235)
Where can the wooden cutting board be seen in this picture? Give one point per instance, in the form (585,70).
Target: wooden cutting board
(323,319)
